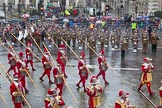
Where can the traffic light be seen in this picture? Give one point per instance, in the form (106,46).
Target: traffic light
(4,7)
(93,11)
(136,9)
(19,8)
(121,6)
(107,7)
(10,5)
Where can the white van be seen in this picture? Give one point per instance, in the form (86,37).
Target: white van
(2,16)
(91,10)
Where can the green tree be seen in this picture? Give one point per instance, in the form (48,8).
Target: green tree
(158,14)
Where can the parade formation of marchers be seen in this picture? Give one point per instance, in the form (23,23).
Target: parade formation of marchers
(63,38)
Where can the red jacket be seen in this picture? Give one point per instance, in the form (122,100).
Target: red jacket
(11,54)
(57,72)
(29,55)
(146,67)
(100,60)
(61,60)
(82,70)
(13,88)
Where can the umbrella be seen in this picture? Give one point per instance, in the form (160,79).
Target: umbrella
(99,21)
(66,20)
(107,17)
(92,18)
(25,16)
(35,17)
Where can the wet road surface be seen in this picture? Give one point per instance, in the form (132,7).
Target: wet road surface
(119,79)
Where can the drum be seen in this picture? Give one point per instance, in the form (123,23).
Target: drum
(13,62)
(104,66)
(18,99)
(48,66)
(64,60)
(30,57)
(58,81)
(23,73)
(83,73)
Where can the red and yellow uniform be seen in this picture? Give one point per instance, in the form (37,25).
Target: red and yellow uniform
(102,66)
(61,58)
(53,100)
(58,78)
(146,77)
(46,65)
(83,72)
(123,102)
(94,91)
(15,89)
(29,55)
(12,60)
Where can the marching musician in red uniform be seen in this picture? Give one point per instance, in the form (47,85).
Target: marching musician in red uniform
(146,77)
(53,100)
(58,78)
(16,91)
(47,65)
(61,58)
(123,102)
(12,60)
(94,91)
(29,55)
(102,66)
(83,72)
(23,70)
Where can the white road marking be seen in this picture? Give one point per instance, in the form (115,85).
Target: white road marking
(115,68)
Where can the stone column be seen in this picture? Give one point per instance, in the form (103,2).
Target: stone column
(58,3)
(67,4)
(26,2)
(45,4)
(84,3)
(5,1)
(16,2)
(36,4)
(103,6)
(76,3)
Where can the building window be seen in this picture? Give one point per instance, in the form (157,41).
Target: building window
(11,1)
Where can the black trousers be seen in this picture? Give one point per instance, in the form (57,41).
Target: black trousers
(154,47)
(59,42)
(122,54)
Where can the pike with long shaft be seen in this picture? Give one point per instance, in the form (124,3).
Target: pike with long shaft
(63,77)
(25,47)
(75,54)
(16,87)
(98,56)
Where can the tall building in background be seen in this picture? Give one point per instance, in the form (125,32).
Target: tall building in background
(144,7)
(153,5)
